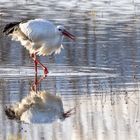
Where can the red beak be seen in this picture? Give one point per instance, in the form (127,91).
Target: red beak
(69,35)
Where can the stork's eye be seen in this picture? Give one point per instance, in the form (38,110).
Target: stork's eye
(60,29)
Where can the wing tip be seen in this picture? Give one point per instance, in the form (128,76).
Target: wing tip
(9,28)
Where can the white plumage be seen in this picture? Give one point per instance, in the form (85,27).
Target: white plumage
(38,108)
(40,37)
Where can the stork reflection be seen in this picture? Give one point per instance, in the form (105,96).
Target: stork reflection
(40,107)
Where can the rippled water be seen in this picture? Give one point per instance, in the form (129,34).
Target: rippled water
(99,73)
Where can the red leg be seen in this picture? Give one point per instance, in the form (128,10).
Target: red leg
(43,67)
(34,86)
(45,72)
(36,81)
(42,78)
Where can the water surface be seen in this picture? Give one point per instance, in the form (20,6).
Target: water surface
(99,73)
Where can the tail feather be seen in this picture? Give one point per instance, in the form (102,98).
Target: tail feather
(9,28)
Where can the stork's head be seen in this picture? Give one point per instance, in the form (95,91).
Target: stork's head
(64,32)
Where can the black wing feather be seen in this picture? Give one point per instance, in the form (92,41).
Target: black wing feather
(9,28)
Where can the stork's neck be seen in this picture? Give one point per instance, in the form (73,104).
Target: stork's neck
(58,38)
(55,39)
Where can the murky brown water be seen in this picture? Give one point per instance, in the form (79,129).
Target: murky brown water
(99,73)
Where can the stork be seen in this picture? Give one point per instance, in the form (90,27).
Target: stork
(39,37)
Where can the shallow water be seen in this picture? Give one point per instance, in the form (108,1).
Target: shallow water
(99,73)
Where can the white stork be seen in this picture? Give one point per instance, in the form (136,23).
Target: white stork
(39,37)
